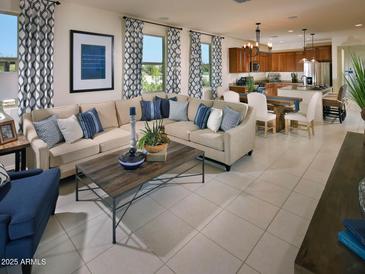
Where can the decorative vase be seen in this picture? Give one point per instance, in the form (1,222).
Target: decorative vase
(132,159)
(155,149)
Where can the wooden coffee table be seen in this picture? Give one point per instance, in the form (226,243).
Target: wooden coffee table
(109,176)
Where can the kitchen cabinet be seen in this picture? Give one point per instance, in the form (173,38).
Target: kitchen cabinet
(324,53)
(265,62)
(239,60)
(289,60)
(299,65)
(271,89)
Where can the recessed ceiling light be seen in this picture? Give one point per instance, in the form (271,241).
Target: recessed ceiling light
(290,30)
(293,17)
(281,42)
(300,35)
(358,25)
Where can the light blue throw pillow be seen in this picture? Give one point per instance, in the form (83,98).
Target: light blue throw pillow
(230,119)
(48,131)
(178,111)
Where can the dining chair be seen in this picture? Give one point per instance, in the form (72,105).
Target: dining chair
(306,120)
(259,103)
(231,96)
(334,105)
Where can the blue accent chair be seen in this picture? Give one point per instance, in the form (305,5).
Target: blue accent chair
(26,204)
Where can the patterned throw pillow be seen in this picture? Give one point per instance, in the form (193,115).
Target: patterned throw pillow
(151,110)
(178,111)
(48,131)
(165,106)
(90,123)
(4,176)
(230,119)
(202,116)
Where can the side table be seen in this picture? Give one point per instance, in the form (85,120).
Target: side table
(19,147)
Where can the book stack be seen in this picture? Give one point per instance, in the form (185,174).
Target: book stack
(353,237)
(157,157)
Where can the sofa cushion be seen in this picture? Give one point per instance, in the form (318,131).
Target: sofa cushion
(65,153)
(29,202)
(181,129)
(230,119)
(151,95)
(208,138)
(194,105)
(178,111)
(61,112)
(201,116)
(90,123)
(106,112)
(70,128)
(165,106)
(151,110)
(240,107)
(48,131)
(123,106)
(112,138)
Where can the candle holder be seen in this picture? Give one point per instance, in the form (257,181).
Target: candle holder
(133,158)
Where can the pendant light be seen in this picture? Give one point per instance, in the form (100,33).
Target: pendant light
(304,48)
(313,60)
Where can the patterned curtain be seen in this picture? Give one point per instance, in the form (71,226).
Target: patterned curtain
(173,73)
(195,72)
(216,65)
(133,54)
(35,51)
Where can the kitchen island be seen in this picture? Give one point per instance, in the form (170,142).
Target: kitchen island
(306,94)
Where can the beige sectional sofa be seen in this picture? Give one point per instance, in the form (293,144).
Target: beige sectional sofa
(224,147)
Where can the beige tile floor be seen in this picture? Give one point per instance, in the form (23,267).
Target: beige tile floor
(248,221)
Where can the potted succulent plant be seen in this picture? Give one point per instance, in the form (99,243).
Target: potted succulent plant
(356,84)
(154,138)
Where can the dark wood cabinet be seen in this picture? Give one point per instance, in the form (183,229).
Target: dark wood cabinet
(239,89)
(324,53)
(239,60)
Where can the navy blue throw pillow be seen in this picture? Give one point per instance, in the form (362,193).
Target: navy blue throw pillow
(90,123)
(151,110)
(202,115)
(165,106)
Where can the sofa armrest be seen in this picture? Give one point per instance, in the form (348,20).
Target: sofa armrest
(15,175)
(39,152)
(240,140)
(4,223)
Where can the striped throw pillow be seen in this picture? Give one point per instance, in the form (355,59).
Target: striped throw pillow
(4,176)
(151,110)
(202,115)
(90,123)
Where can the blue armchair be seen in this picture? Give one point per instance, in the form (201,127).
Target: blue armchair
(26,204)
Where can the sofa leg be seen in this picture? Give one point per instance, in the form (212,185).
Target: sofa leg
(26,268)
(228,168)
(250,153)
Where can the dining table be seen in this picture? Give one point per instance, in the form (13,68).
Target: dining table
(279,105)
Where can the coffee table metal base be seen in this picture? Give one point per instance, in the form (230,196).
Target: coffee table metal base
(113,205)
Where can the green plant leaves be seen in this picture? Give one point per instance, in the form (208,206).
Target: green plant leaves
(356,81)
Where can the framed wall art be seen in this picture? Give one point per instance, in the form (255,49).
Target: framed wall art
(91,61)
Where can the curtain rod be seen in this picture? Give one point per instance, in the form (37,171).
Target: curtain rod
(153,23)
(205,33)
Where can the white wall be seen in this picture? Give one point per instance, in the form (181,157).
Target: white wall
(8,85)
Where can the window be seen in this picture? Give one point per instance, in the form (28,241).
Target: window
(153,63)
(206,64)
(9,42)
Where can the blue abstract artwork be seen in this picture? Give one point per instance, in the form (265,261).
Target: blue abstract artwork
(92,62)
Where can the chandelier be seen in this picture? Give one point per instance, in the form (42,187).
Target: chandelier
(254,48)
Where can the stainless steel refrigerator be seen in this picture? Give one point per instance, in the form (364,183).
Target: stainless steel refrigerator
(321,72)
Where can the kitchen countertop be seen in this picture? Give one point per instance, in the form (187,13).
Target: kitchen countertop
(308,88)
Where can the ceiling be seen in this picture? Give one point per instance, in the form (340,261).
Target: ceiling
(227,17)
